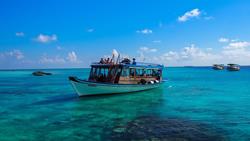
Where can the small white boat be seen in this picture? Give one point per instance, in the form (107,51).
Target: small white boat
(233,67)
(218,66)
(107,77)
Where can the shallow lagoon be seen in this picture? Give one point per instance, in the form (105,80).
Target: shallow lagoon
(194,98)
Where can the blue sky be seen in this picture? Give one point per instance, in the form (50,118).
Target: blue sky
(59,34)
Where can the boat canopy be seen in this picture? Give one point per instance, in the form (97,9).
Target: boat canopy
(232,64)
(109,71)
(137,65)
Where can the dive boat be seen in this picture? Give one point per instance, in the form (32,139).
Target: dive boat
(218,66)
(112,77)
(233,67)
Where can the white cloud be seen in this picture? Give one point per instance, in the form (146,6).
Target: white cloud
(46,38)
(234,40)
(147,50)
(17,54)
(235,52)
(72,57)
(54,60)
(236,55)
(190,55)
(171,55)
(238,45)
(223,40)
(190,14)
(19,34)
(145,31)
(144,53)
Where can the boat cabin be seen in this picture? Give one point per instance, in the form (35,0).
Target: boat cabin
(125,72)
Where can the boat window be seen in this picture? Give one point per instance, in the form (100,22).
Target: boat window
(132,72)
(154,72)
(139,72)
(93,73)
(149,72)
(125,72)
(104,71)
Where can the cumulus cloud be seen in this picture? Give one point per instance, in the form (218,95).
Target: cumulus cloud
(223,40)
(237,51)
(234,52)
(17,54)
(169,56)
(192,52)
(189,14)
(145,31)
(51,60)
(46,38)
(147,49)
(190,55)
(72,57)
(238,45)
(19,34)
(144,53)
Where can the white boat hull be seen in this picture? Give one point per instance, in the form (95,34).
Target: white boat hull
(84,88)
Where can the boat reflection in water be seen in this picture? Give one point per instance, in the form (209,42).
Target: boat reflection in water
(111,76)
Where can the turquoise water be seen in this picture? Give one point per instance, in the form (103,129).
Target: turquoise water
(47,108)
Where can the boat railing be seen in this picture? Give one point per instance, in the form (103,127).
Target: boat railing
(137,64)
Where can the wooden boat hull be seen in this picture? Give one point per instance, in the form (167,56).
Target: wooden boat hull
(85,88)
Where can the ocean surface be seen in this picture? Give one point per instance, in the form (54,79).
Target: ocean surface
(196,103)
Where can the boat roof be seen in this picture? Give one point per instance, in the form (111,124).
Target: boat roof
(137,65)
(218,64)
(233,64)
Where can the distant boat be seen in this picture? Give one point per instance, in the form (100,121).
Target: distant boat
(40,73)
(218,66)
(111,77)
(233,67)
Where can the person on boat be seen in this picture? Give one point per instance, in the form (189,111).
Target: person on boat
(107,61)
(134,63)
(101,61)
(125,61)
(132,72)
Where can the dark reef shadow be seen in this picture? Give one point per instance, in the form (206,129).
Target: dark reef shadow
(163,129)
